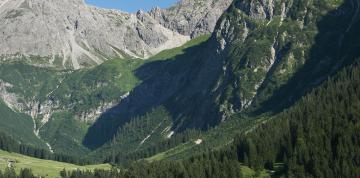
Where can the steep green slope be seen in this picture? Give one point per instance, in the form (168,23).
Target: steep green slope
(277,54)
(316,137)
(334,44)
(137,135)
(65,133)
(60,101)
(271,61)
(261,59)
(89,88)
(29,83)
(65,103)
(19,126)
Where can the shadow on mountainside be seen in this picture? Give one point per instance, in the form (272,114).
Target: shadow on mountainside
(179,84)
(336,45)
(183,85)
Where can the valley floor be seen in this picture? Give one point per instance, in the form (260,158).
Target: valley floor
(43,168)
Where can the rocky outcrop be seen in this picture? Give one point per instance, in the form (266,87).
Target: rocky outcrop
(236,31)
(71,34)
(93,114)
(10,99)
(191,18)
(35,109)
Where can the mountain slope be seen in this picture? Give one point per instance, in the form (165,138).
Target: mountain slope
(316,137)
(19,126)
(42,41)
(72,35)
(64,103)
(260,52)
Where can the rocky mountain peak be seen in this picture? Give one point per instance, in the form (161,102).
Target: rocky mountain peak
(191,18)
(71,34)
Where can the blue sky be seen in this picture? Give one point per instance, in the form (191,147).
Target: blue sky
(131,5)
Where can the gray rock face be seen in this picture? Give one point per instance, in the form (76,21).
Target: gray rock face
(192,17)
(71,34)
(263,9)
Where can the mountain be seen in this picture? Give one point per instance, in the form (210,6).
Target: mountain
(281,77)
(262,57)
(60,100)
(73,35)
(191,18)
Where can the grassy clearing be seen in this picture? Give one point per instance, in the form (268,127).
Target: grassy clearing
(43,168)
(248,172)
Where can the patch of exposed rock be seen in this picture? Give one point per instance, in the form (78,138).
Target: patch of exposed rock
(191,18)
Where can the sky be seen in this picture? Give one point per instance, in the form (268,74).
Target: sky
(131,5)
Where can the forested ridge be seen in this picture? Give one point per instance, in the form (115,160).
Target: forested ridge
(317,137)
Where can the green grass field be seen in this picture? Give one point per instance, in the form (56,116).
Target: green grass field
(43,168)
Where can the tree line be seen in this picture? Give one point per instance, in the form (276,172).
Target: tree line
(209,164)
(10,173)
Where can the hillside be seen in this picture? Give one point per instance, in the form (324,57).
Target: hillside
(294,143)
(316,137)
(63,104)
(254,63)
(18,126)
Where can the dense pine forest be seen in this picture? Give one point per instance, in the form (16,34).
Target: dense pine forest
(317,137)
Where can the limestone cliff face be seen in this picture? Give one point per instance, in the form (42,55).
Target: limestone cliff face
(247,57)
(273,51)
(191,18)
(71,34)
